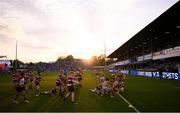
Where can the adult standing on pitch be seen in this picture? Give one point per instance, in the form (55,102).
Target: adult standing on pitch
(37,83)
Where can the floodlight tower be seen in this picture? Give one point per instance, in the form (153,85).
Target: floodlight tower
(104,49)
(104,44)
(16,55)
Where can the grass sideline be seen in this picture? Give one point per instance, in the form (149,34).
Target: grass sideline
(146,94)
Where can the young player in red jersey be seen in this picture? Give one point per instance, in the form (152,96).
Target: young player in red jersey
(71,82)
(37,83)
(57,83)
(20,88)
(30,80)
(62,90)
(79,77)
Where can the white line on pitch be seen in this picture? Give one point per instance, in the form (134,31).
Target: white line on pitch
(129,104)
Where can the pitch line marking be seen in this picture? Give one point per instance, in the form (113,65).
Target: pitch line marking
(129,104)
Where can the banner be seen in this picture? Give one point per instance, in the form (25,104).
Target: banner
(154,74)
(125,72)
(170,75)
(165,75)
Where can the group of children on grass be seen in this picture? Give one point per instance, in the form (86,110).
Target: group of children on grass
(113,84)
(22,81)
(66,84)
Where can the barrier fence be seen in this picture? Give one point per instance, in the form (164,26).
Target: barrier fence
(155,74)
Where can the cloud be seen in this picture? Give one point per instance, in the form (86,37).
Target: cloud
(8,24)
(46,29)
(35,47)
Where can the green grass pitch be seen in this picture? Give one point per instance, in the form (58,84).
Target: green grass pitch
(145,94)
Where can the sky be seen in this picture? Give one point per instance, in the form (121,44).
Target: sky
(47,29)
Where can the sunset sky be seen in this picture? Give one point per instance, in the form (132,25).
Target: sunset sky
(46,29)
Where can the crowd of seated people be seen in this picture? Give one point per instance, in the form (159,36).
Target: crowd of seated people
(166,66)
(157,65)
(64,65)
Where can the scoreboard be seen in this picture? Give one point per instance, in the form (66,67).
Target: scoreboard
(5,64)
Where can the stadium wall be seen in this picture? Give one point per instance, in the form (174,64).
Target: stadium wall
(165,53)
(153,74)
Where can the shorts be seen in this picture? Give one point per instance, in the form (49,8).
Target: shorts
(79,79)
(57,84)
(106,89)
(14,81)
(37,83)
(116,89)
(70,88)
(20,89)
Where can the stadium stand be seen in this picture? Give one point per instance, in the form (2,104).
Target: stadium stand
(156,48)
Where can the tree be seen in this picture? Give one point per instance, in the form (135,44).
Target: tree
(94,60)
(18,62)
(60,59)
(101,60)
(69,58)
(109,61)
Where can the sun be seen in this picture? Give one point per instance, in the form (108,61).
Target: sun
(85,48)
(85,56)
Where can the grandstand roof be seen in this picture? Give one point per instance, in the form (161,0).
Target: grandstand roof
(162,33)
